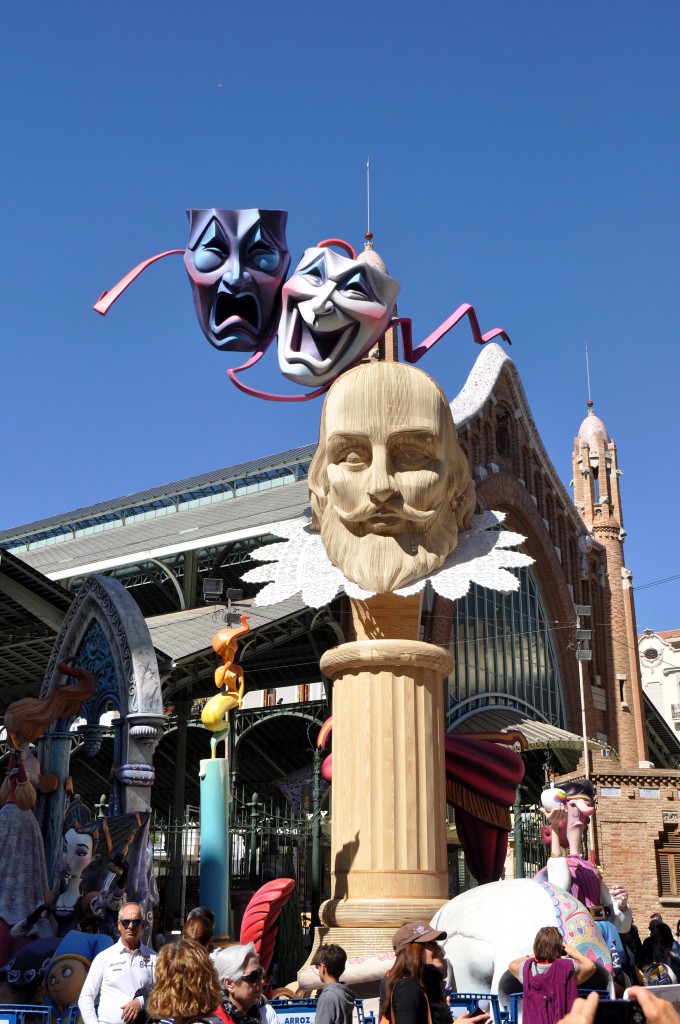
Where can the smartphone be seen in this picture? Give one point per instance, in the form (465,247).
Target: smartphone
(619,1011)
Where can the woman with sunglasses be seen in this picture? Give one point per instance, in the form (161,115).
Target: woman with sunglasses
(241,978)
(185,988)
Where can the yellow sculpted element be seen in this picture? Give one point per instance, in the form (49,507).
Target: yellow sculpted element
(229,676)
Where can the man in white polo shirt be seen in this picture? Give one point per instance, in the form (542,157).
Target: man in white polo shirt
(119,975)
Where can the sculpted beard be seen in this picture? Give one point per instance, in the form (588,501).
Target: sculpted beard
(382,564)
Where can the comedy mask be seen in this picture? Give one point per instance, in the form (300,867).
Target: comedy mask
(334,310)
(237,261)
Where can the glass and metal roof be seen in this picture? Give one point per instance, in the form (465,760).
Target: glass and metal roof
(220,485)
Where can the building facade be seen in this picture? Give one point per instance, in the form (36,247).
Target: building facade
(516,655)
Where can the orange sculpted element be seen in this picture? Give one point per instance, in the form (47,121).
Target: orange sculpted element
(229,676)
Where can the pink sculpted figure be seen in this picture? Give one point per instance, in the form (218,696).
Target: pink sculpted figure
(567,820)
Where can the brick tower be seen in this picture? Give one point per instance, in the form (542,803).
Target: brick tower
(598,499)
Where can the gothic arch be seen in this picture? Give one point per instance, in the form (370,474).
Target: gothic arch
(106,633)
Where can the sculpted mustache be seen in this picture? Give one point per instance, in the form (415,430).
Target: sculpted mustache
(368,511)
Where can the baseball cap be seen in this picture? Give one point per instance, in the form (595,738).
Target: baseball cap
(416,932)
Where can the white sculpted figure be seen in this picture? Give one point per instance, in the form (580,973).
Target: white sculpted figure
(390,486)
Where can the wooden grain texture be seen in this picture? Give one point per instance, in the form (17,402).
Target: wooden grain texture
(390,486)
(386,616)
(389,807)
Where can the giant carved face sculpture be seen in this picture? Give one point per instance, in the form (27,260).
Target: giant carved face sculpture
(237,261)
(390,485)
(334,310)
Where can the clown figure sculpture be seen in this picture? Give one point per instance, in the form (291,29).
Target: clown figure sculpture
(566,825)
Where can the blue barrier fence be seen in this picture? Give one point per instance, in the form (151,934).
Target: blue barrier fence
(303,1011)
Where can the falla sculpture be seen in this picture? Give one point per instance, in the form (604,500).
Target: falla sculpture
(328,315)
(215,714)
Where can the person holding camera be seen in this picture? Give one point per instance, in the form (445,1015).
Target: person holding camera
(550,978)
(639,1005)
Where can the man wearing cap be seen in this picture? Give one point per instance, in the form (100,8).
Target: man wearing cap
(120,975)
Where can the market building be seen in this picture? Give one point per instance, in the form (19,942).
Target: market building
(522,661)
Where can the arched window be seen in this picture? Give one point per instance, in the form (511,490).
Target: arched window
(526,468)
(476,451)
(550,513)
(505,655)
(538,492)
(562,539)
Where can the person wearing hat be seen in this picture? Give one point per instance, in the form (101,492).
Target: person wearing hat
(414,989)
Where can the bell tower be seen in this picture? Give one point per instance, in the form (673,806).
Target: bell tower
(598,498)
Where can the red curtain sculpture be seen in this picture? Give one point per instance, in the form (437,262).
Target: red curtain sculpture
(482,775)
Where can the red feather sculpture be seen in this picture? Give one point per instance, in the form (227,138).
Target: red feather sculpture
(259,921)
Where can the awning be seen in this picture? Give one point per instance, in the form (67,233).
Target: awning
(539,735)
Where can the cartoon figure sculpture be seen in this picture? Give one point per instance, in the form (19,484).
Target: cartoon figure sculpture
(68,969)
(24,972)
(567,821)
(481,938)
(64,912)
(24,884)
(228,675)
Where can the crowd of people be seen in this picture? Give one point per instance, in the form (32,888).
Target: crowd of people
(190,982)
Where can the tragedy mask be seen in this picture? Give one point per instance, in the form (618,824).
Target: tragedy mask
(237,261)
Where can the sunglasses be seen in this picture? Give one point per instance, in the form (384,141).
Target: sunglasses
(254,976)
(131,922)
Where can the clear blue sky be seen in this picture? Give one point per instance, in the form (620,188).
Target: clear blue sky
(525,158)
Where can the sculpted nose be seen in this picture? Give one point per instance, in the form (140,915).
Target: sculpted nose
(381,486)
(234,273)
(322,304)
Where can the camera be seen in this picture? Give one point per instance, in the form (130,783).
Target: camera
(619,1011)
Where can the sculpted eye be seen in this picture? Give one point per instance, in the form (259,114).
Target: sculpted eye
(261,254)
(353,458)
(315,273)
(351,453)
(265,259)
(212,251)
(357,287)
(410,452)
(211,256)
(67,972)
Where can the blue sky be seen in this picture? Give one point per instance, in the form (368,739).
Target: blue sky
(524,158)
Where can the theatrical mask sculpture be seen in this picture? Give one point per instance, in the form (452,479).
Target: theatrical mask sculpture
(334,309)
(390,486)
(237,261)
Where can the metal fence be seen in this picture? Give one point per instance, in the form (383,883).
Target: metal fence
(534,850)
(267,840)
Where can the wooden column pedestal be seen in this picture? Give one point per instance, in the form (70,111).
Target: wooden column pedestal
(388,852)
